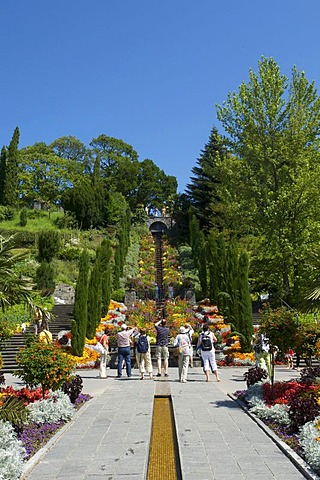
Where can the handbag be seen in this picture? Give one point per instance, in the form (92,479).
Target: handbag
(177,351)
(99,348)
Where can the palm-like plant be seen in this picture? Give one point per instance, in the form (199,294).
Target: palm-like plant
(13,288)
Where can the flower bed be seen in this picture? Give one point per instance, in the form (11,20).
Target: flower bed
(42,418)
(292,410)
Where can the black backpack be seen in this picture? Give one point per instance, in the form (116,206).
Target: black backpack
(206,344)
(143,345)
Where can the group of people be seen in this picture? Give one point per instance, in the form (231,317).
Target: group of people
(141,342)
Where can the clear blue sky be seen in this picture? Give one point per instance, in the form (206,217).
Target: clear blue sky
(147,72)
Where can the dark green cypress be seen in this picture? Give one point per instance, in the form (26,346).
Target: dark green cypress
(117,268)
(212,263)
(106,256)
(94,297)
(245,306)
(80,311)
(11,180)
(3,157)
(198,246)
(232,281)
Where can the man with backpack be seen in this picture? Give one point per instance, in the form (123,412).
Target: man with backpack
(144,354)
(205,347)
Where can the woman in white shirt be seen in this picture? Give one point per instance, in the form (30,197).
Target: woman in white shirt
(206,349)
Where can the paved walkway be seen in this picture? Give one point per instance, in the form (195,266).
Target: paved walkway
(109,438)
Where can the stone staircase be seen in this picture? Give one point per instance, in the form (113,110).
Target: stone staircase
(62,321)
(157,237)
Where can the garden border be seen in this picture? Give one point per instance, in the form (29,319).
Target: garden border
(301,465)
(35,459)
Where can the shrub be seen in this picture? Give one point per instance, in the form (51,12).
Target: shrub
(276,413)
(310,374)
(254,391)
(45,278)
(309,440)
(11,453)
(23,217)
(70,253)
(303,407)
(45,365)
(48,244)
(118,295)
(56,407)
(73,388)
(255,375)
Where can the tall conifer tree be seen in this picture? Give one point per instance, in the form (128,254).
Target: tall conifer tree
(80,312)
(3,157)
(202,191)
(245,324)
(94,297)
(11,180)
(106,268)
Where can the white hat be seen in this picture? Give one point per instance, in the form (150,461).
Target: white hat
(182,330)
(124,326)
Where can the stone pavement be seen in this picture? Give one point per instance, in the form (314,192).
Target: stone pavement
(109,437)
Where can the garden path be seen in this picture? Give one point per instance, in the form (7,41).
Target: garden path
(109,437)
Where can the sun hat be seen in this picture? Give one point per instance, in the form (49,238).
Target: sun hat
(124,326)
(182,330)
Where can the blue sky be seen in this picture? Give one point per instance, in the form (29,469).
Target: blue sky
(147,72)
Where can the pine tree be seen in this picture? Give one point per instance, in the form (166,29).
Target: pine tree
(45,278)
(80,312)
(94,297)
(11,180)
(105,263)
(202,191)
(245,324)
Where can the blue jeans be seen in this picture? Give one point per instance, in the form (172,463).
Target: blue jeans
(124,354)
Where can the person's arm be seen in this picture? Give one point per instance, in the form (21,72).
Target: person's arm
(176,341)
(157,323)
(214,338)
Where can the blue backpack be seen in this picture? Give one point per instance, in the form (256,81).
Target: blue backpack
(143,345)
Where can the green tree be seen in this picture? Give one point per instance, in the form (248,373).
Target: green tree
(272,126)
(3,158)
(245,321)
(11,180)
(212,262)
(198,246)
(106,269)
(43,175)
(45,278)
(94,297)
(45,365)
(80,312)
(49,243)
(202,192)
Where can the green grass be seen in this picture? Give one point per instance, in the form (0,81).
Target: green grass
(42,221)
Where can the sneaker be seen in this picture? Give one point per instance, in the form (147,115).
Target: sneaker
(158,375)
(183,381)
(166,374)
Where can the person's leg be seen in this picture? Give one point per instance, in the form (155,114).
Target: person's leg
(213,365)
(148,364)
(158,354)
(185,365)
(127,358)
(120,361)
(103,365)
(165,360)
(180,363)
(141,364)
